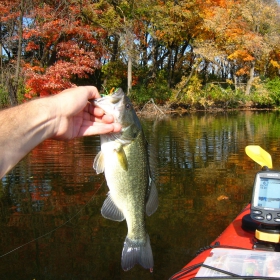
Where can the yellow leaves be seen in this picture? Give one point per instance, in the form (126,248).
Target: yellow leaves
(209,50)
(222,197)
(275,63)
(205,102)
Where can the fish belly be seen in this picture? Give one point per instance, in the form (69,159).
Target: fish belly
(128,192)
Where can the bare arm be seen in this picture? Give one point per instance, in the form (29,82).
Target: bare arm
(63,116)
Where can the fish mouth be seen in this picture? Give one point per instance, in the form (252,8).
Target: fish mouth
(110,104)
(113,99)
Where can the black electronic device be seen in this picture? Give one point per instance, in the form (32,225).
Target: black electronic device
(265,204)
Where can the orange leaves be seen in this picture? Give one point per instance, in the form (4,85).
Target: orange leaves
(31,46)
(242,71)
(8,11)
(53,81)
(160,34)
(135,80)
(222,197)
(243,30)
(34,68)
(241,55)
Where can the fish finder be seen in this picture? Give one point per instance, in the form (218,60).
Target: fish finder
(265,204)
(264,217)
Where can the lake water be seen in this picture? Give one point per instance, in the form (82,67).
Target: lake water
(50,221)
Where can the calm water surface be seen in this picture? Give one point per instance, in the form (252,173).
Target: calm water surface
(201,159)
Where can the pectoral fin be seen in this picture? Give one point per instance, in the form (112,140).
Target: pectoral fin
(98,163)
(152,202)
(110,211)
(122,158)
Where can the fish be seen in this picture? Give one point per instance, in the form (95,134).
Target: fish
(124,158)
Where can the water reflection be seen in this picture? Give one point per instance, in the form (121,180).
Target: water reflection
(204,179)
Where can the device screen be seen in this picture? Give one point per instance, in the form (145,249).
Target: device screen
(269,193)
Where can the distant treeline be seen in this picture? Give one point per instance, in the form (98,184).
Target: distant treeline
(194,53)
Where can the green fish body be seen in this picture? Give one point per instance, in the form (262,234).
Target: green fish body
(124,159)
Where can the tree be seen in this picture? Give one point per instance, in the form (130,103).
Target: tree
(174,26)
(11,18)
(60,47)
(51,45)
(245,32)
(121,20)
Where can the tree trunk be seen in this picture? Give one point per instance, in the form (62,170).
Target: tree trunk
(235,83)
(251,79)
(1,56)
(154,58)
(169,62)
(12,91)
(1,63)
(14,83)
(115,48)
(129,75)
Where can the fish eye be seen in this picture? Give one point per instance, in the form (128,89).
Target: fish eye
(127,106)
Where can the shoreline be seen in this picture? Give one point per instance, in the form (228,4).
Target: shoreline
(162,110)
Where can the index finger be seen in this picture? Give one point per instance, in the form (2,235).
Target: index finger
(92,92)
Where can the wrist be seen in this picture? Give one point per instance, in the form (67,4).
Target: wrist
(42,119)
(23,128)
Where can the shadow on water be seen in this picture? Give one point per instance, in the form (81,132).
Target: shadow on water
(204,179)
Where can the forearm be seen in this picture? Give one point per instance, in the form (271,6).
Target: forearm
(63,116)
(21,129)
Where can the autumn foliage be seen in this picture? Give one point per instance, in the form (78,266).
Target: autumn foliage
(68,46)
(59,44)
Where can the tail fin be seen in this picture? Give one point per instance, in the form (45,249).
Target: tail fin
(137,252)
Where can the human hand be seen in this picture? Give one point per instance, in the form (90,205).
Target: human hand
(75,116)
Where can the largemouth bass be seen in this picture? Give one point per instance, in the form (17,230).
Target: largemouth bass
(125,161)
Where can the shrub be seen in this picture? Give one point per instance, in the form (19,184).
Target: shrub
(187,91)
(4,97)
(115,75)
(261,99)
(211,95)
(156,88)
(223,97)
(273,88)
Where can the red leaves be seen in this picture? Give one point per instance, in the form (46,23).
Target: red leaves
(31,46)
(65,45)
(72,61)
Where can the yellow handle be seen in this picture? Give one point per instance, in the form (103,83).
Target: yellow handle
(259,155)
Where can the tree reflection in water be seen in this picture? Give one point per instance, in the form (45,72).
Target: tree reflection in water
(204,179)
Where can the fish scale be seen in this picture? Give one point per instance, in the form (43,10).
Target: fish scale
(124,159)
